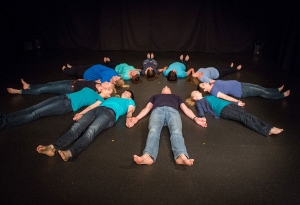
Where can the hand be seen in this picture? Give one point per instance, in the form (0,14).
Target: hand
(201,121)
(77,117)
(130,122)
(240,103)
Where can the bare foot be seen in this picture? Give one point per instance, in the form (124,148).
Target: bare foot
(47,150)
(181,57)
(65,155)
(275,131)
(107,59)
(231,65)
(148,55)
(286,93)
(63,67)
(239,67)
(281,88)
(13,91)
(187,57)
(144,159)
(25,85)
(104,59)
(68,65)
(152,55)
(182,159)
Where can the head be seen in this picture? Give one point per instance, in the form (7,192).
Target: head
(107,85)
(193,80)
(150,74)
(115,79)
(172,76)
(136,79)
(120,82)
(106,93)
(195,95)
(204,87)
(127,94)
(197,75)
(166,90)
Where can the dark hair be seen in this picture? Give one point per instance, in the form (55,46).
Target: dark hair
(136,79)
(150,75)
(200,89)
(132,95)
(172,76)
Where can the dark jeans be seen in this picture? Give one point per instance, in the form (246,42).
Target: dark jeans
(77,70)
(58,87)
(234,112)
(90,125)
(226,71)
(112,64)
(57,105)
(252,90)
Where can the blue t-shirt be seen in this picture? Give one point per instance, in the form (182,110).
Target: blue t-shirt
(170,100)
(99,72)
(84,97)
(118,105)
(217,104)
(179,67)
(228,87)
(123,69)
(208,74)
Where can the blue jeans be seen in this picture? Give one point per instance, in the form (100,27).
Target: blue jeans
(58,87)
(90,125)
(165,116)
(57,105)
(234,112)
(251,90)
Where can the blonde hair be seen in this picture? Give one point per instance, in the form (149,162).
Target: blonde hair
(193,80)
(190,101)
(120,83)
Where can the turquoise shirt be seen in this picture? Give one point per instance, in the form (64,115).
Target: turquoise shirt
(217,104)
(123,69)
(179,67)
(84,97)
(119,105)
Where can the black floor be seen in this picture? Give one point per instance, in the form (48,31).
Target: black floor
(233,165)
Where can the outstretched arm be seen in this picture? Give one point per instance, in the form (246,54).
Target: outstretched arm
(130,122)
(79,115)
(230,99)
(190,71)
(162,69)
(199,120)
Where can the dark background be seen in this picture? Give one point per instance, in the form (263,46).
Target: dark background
(209,26)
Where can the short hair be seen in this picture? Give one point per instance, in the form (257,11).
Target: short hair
(150,75)
(200,89)
(136,79)
(172,76)
(132,95)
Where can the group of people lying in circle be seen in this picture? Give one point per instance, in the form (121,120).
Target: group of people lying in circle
(95,90)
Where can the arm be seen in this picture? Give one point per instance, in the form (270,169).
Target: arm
(79,115)
(200,121)
(130,122)
(230,99)
(162,69)
(130,110)
(212,81)
(191,70)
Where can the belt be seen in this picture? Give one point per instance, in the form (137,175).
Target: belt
(72,84)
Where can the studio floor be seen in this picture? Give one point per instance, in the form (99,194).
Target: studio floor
(233,164)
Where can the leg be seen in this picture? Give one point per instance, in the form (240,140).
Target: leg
(111,64)
(234,112)
(156,122)
(54,106)
(226,71)
(174,123)
(77,70)
(104,118)
(251,90)
(58,87)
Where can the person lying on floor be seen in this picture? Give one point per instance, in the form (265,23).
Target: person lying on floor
(150,68)
(164,112)
(57,105)
(89,125)
(126,71)
(178,69)
(210,74)
(221,108)
(60,87)
(226,88)
(97,72)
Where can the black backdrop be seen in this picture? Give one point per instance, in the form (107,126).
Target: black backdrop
(211,26)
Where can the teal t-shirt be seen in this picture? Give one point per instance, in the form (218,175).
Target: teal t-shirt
(216,104)
(84,97)
(119,105)
(179,67)
(123,69)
